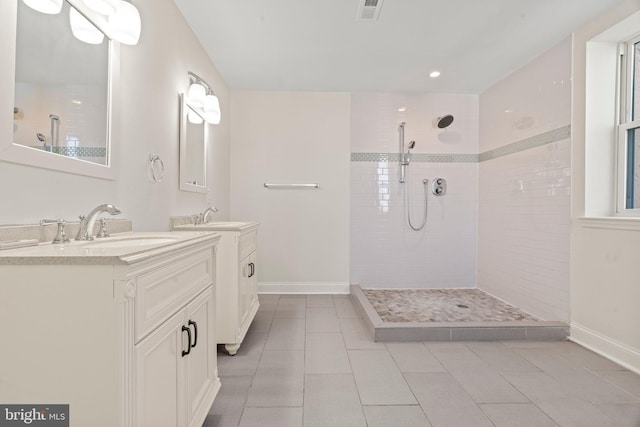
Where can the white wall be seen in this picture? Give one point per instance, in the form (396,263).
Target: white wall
(385,252)
(283,137)
(524,195)
(605,250)
(146,121)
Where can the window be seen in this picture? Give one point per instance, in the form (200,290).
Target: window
(628,144)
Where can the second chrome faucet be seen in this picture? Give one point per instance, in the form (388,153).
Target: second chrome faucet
(87,222)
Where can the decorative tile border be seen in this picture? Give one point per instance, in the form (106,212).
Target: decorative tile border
(77,151)
(535,141)
(516,147)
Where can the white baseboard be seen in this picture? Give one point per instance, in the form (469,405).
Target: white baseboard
(618,352)
(303,288)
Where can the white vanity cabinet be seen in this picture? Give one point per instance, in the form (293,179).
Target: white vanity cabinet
(237,286)
(125,338)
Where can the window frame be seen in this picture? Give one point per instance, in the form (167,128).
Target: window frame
(625,122)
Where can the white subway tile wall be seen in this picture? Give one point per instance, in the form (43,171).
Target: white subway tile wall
(523,232)
(385,252)
(524,196)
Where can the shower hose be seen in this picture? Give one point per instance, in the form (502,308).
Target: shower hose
(407,203)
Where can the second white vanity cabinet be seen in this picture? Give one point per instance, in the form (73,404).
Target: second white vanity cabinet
(237,286)
(125,335)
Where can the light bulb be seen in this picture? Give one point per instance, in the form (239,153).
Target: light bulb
(83,29)
(125,23)
(194,117)
(196,95)
(104,7)
(51,7)
(212,109)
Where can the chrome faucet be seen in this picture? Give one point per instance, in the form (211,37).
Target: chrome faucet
(207,212)
(87,222)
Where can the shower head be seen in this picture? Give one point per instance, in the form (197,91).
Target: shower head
(54,117)
(443,121)
(412,144)
(41,138)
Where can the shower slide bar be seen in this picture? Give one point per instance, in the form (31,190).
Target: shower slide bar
(271,185)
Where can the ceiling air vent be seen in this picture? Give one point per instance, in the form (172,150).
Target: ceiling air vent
(369,10)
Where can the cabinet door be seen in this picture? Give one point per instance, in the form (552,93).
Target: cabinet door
(160,375)
(244,300)
(202,376)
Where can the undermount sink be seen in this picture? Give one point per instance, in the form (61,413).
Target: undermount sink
(131,242)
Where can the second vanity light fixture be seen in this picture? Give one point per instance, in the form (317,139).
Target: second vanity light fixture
(202,102)
(121,19)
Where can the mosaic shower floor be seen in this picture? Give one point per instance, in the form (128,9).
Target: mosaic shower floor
(448,315)
(441,305)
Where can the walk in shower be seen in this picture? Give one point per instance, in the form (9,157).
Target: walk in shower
(416,281)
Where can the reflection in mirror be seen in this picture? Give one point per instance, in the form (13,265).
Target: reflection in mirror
(61,88)
(193,149)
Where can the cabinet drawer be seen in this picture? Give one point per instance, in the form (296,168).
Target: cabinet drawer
(164,290)
(247,243)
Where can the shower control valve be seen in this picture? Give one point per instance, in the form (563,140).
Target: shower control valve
(439,186)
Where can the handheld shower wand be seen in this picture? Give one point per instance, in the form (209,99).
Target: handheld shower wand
(55,123)
(405,159)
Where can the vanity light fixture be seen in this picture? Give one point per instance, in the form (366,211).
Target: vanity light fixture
(83,29)
(103,7)
(125,23)
(51,7)
(119,19)
(202,100)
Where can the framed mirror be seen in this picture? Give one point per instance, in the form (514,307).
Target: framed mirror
(193,149)
(62,96)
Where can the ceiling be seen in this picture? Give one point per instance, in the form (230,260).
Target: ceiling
(319,45)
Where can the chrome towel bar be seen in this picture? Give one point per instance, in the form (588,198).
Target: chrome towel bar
(270,185)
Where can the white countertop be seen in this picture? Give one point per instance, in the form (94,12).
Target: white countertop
(120,248)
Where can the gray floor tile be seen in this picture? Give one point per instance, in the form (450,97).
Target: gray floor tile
(271,417)
(501,358)
(585,358)
(245,361)
(291,306)
(537,386)
(356,336)
(214,420)
(322,320)
(286,334)
(405,416)
(573,412)
(517,415)
(548,360)
(378,379)
(626,380)
(262,321)
(332,400)
(414,357)
(344,307)
(326,354)
(445,402)
(622,414)
(457,357)
(279,380)
(590,388)
(487,386)
(320,301)
(232,396)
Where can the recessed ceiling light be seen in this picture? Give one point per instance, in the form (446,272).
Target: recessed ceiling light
(402,109)
(434,74)
(508,111)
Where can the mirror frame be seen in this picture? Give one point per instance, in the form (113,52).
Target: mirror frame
(185,185)
(16,153)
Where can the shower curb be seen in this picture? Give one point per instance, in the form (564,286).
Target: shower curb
(381,331)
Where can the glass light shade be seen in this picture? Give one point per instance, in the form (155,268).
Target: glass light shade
(194,117)
(212,109)
(84,30)
(125,23)
(104,7)
(196,95)
(52,7)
